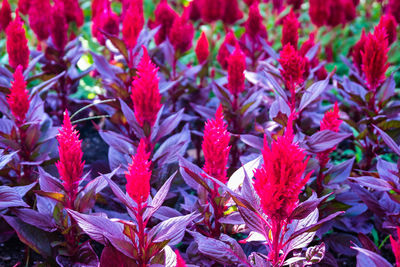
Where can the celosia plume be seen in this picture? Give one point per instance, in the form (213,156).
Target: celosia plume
(389,23)
(319,11)
(105,21)
(139,174)
(23,6)
(145,95)
(195,10)
(18,99)
(279,181)
(17,44)
(356,51)
(293,66)
(374,58)
(236,68)
(336,13)
(40,18)
(164,17)
(5,15)
(181,33)
(70,166)
(216,146)
(179,261)
(232,12)
(296,4)
(254,24)
(133,23)
(59,26)
(349,9)
(212,10)
(396,246)
(307,45)
(202,48)
(73,12)
(290,30)
(394,9)
(224,53)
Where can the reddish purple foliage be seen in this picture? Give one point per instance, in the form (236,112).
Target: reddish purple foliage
(17,44)
(216,146)
(145,95)
(139,174)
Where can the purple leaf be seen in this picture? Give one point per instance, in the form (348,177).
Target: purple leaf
(112,257)
(312,93)
(49,183)
(306,207)
(325,140)
(85,256)
(253,141)
(22,190)
(315,254)
(9,198)
(373,183)
(369,258)
(389,141)
(168,125)
(124,198)
(339,173)
(192,174)
(387,171)
(131,119)
(118,141)
(5,159)
(39,220)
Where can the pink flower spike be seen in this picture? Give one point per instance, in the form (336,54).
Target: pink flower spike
(5,15)
(396,246)
(202,49)
(290,30)
(18,99)
(293,66)
(17,44)
(236,68)
(133,23)
(331,120)
(139,174)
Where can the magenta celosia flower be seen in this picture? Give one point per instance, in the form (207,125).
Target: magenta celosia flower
(216,146)
(349,9)
(133,24)
(307,45)
(5,15)
(279,181)
(250,2)
(336,13)
(18,99)
(105,21)
(59,26)
(254,24)
(70,166)
(374,58)
(396,246)
(319,11)
(202,48)
(164,17)
(17,44)
(179,261)
(394,9)
(236,68)
(232,12)
(145,95)
(181,33)
(73,12)
(98,6)
(296,4)
(293,66)
(139,174)
(223,52)
(290,30)
(212,10)
(39,19)
(389,23)
(23,6)
(356,51)
(195,10)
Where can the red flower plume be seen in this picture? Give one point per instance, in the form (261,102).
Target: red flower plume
(290,30)
(133,23)
(236,68)
(18,99)
(394,9)
(202,49)
(319,11)
(307,45)
(105,21)
(296,4)
(212,10)
(165,16)
(5,15)
(232,12)
(374,58)
(23,6)
(396,246)
(195,10)
(181,33)
(39,19)
(145,95)
(139,174)
(216,146)
(293,66)
(73,12)
(179,261)
(356,51)
(279,181)
(70,166)
(254,24)
(389,23)
(336,13)
(223,53)
(17,44)
(59,26)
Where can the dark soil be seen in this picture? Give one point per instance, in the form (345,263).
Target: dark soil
(13,251)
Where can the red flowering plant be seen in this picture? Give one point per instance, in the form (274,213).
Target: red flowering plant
(133,241)
(38,227)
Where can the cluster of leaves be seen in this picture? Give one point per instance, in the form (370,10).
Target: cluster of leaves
(278,149)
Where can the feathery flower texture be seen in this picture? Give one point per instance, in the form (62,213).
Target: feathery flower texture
(389,23)
(236,68)
(181,33)
(290,30)
(212,10)
(164,17)
(223,52)
(202,48)
(216,146)
(133,23)
(179,260)
(145,95)
(17,44)
(293,66)
(280,180)
(18,99)
(40,18)
(139,174)
(5,15)
(59,26)
(356,51)
(374,57)
(70,166)
(396,246)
